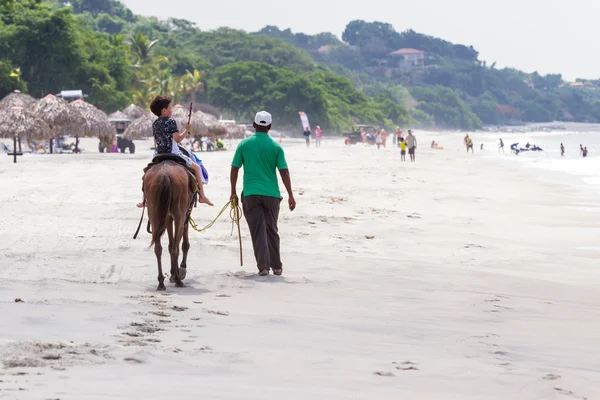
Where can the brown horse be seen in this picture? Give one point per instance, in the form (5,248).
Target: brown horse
(169,200)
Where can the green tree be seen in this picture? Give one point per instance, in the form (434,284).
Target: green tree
(245,87)
(141,47)
(10,79)
(446,107)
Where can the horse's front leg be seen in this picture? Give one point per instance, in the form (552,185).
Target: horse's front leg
(185,247)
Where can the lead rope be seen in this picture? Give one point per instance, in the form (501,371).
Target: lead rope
(235,214)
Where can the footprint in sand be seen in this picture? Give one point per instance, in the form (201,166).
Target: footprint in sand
(223,313)
(133,360)
(406,366)
(551,377)
(386,374)
(179,309)
(159,313)
(569,393)
(414,216)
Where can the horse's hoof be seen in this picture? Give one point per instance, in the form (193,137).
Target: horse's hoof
(172,279)
(161,287)
(182,273)
(179,284)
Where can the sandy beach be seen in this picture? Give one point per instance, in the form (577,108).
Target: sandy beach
(455,277)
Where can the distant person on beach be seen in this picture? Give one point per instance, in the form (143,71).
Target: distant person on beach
(584,153)
(306,134)
(580,149)
(411,143)
(403,150)
(469,143)
(501,146)
(562,150)
(167,136)
(398,136)
(481,147)
(515,148)
(318,136)
(378,139)
(383,137)
(261,156)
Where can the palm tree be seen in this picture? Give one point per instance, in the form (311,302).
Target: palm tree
(116,40)
(141,46)
(195,83)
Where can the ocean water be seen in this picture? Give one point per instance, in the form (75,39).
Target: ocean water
(582,173)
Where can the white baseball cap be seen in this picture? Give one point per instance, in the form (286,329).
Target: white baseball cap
(263,118)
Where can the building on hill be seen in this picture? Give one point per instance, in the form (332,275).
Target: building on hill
(408,58)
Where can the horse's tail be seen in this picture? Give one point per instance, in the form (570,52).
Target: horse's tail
(165,194)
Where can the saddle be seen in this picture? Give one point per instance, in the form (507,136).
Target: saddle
(175,158)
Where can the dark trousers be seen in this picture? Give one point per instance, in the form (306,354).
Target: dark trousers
(262,213)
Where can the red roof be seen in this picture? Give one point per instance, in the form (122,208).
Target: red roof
(402,52)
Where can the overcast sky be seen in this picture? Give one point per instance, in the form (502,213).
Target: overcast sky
(548,36)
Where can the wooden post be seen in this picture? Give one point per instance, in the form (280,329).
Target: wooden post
(51,140)
(15,153)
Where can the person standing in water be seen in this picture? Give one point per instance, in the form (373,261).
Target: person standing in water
(562,150)
(584,153)
(501,146)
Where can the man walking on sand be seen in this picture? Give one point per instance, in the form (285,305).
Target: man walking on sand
(411,143)
(261,156)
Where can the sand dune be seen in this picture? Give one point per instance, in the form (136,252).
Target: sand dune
(455,277)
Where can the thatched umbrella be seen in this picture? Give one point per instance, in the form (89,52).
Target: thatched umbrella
(235,131)
(140,128)
(211,124)
(97,123)
(17,121)
(60,115)
(118,116)
(134,112)
(18,99)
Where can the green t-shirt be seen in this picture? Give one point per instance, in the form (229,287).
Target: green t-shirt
(260,155)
